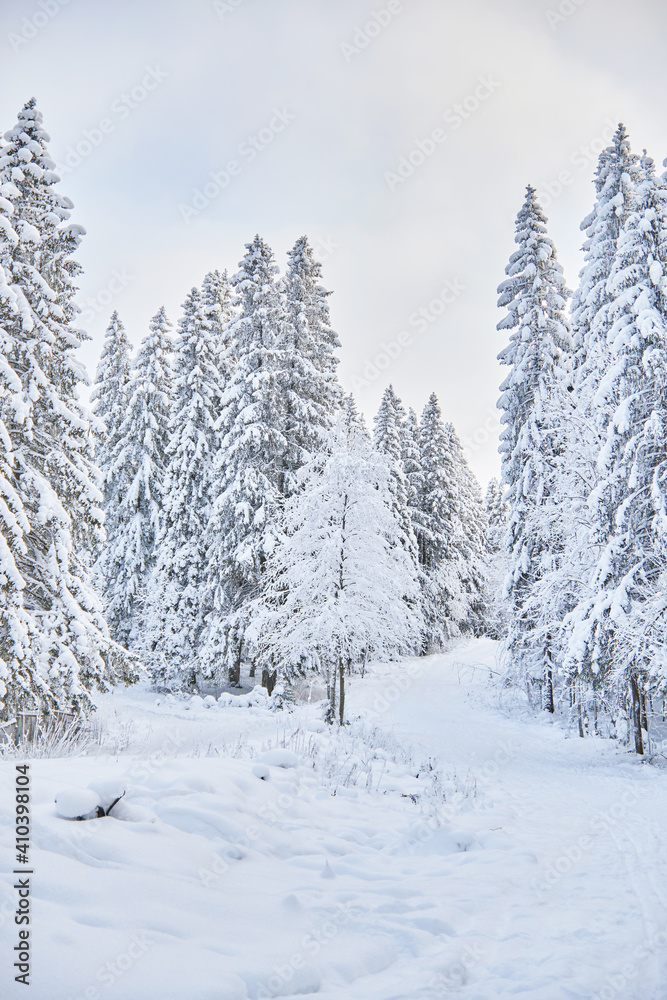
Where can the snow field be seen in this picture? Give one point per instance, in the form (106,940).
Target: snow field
(438,847)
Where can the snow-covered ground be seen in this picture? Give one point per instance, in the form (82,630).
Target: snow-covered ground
(439,846)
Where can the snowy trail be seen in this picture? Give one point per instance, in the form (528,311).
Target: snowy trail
(580,901)
(541,873)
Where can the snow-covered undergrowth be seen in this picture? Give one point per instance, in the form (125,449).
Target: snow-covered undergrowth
(435,846)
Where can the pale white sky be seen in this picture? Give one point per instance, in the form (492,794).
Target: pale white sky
(316,104)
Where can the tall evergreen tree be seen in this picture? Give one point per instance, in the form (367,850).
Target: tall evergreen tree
(111,398)
(628,504)
(535,295)
(339,577)
(617,176)
(496,516)
(217,304)
(390,438)
(49,431)
(450,590)
(310,387)
(20,678)
(467,542)
(136,468)
(180,590)
(250,463)
(414,474)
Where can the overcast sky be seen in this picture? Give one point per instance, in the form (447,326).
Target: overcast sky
(305,110)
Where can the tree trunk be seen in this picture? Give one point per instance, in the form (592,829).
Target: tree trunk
(235,670)
(635,714)
(269,679)
(252,669)
(332,696)
(644,715)
(548,677)
(341,700)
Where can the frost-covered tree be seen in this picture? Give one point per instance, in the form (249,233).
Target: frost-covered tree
(310,387)
(414,474)
(617,175)
(20,678)
(628,504)
(48,444)
(535,296)
(217,304)
(389,437)
(249,465)
(136,469)
(339,576)
(452,539)
(111,398)
(496,516)
(180,589)
(467,542)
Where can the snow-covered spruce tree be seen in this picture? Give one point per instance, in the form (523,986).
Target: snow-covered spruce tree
(249,465)
(617,176)
(111,398)
(180,589)
(451,589)
(50,433)
(340,585)
(535,296)
(311,391)
(414,474)
(389,437)
(496,516)
(20,678)
(217,304)
(136,469)
(467,543)
(609,641)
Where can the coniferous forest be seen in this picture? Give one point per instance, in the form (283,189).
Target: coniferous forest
(223,511)
(333,501)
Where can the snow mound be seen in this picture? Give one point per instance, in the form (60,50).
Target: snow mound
(78,803)
(108,792)
(257,697)
(279,758)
